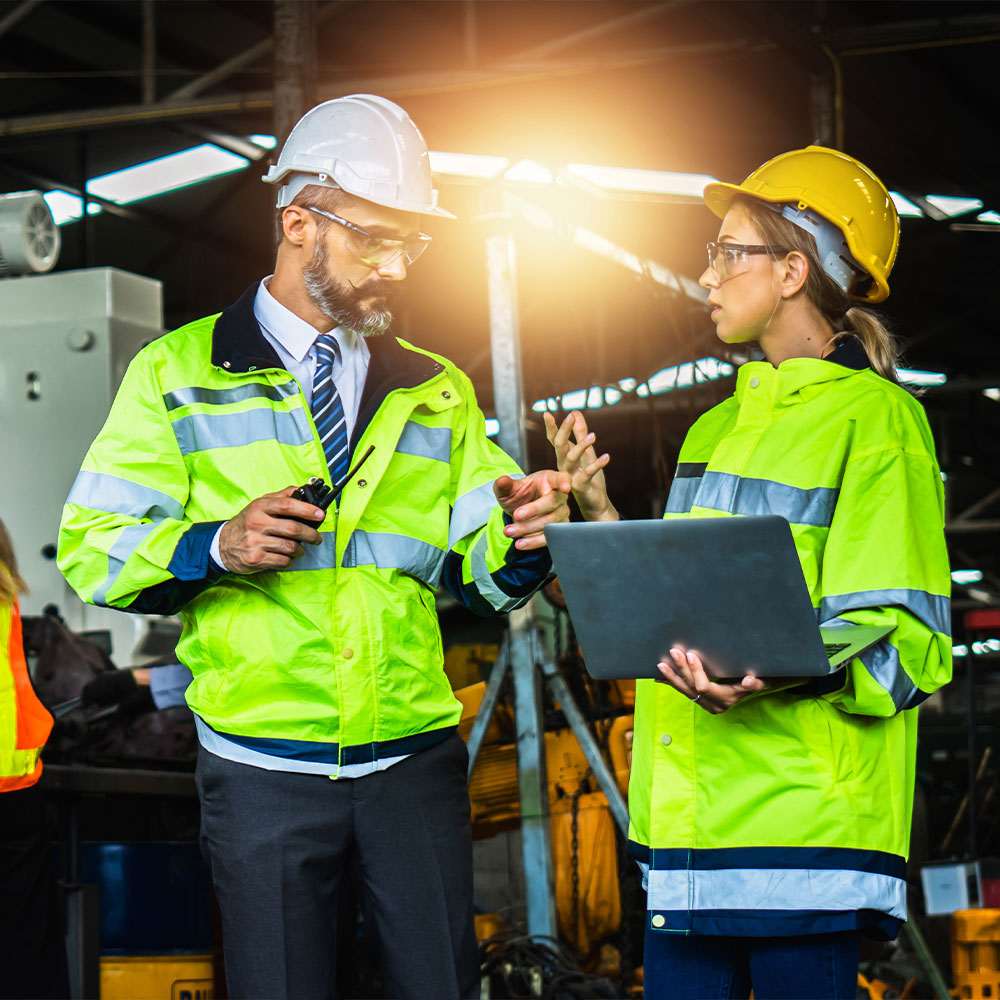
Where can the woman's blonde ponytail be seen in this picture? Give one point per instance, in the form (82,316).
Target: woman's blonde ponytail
(879,343)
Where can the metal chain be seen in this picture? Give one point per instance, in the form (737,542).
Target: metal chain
(574,861)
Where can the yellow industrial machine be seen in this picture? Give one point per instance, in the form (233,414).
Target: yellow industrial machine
(584,851)
(156,977)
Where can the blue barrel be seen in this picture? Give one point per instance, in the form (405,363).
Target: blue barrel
(156,897)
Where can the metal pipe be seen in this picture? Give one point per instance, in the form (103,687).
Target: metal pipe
(532,781)
(294,63)
(505,345)
(148,52)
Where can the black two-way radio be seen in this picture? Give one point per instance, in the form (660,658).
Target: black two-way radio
(320,495)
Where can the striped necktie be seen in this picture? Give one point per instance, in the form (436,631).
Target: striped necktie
(327,408)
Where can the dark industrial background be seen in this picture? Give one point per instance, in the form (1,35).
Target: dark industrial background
(91,86)
(713,87)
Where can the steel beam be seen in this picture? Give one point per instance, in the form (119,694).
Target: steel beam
(598,765)
(968,520)
(18,14)
(488,705)
(522,640)
(131,114)
(396,86)
(294,63)
(532,781)
(595,31)
(505,345)
(247,58)
(148,52)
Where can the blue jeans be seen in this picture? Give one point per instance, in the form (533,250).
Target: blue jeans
(699,967)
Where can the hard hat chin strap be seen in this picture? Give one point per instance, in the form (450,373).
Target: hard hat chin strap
(834,255)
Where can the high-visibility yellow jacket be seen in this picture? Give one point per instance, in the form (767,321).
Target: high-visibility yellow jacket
(337,660)
(24,722)
(790,813)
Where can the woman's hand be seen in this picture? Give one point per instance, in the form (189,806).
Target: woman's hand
(685,672)
(576,455)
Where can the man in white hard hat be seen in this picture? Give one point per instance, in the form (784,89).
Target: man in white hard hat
(327,727)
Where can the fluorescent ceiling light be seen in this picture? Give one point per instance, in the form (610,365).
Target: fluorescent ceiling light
(264,141)
(992,394)
(959,650)
(168,173)
(904,206)
(954,206)
(675,377)
(467,164)
(66,207)
(966,576)
(989,217)
(529,172)
(492,427)
(913,376)
(642,181)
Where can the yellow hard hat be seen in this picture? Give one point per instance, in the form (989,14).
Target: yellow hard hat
(840,189)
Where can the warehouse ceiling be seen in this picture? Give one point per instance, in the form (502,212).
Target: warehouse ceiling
(92,86)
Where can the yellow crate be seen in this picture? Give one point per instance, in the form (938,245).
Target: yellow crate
(975,954)
(156,977)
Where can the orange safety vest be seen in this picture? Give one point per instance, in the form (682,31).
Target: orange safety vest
(24,721)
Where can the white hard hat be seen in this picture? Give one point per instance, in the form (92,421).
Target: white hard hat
(363,144)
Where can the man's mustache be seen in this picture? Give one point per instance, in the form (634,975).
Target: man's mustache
(378,288)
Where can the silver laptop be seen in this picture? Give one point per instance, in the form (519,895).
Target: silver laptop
(729,587)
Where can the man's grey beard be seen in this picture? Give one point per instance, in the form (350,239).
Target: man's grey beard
(341,303)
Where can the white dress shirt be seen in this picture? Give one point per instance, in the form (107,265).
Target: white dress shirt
(294,341)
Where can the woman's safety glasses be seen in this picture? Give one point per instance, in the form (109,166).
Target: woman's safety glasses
(730,259)
(376,251)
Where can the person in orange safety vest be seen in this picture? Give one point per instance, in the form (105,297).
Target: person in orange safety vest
(32,950)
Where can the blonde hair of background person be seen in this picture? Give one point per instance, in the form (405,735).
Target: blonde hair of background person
(11,582)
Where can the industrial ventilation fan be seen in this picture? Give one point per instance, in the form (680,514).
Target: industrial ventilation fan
(29,236)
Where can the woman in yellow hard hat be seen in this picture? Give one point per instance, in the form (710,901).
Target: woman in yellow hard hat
(772,819)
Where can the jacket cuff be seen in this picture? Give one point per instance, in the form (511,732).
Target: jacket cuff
(192,557)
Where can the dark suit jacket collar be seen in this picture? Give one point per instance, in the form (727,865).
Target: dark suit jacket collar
(238,346)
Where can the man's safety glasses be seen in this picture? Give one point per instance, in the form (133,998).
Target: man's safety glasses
(376,251)
(731,259)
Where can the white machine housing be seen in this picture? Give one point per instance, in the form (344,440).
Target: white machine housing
(66,339)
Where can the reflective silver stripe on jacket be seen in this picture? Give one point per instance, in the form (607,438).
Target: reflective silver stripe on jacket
(387,551)
(113,495)
(933,610)
(425,442)
(776,889)
(732,494)
(219,397)
(485,583)
(322,556)
(205,431)
(471,511)
(125,544)
(883,663)
(682,494)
